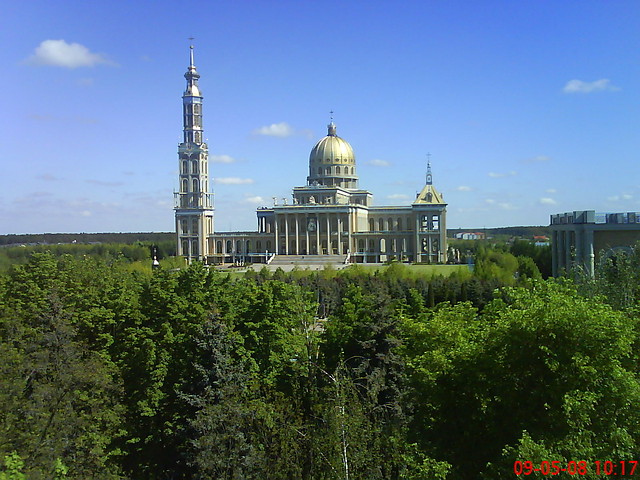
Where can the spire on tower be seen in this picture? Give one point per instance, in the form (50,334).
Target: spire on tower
(429,176)
(192,75)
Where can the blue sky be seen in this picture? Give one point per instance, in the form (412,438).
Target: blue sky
(528,108)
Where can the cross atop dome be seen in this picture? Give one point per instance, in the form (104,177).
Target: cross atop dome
(332,126)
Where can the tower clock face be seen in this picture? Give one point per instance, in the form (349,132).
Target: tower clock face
(312,225)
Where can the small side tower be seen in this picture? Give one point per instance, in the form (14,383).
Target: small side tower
(193,200)
(430,216)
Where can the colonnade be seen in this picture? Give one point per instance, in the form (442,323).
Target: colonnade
(313,234)
(573,247)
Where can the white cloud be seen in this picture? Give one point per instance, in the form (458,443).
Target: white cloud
(579,86)
(617,198)
(282,129)
(500,205)
(398,196)
(551,190)
(232,180)
(464,188)
(538,159)
(257,200)
(376,162)
(502,175)
(222,159)
(59,53)
(547,201)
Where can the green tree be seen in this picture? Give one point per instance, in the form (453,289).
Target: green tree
(560,365)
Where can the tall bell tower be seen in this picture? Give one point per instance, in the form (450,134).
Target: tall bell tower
(193,200)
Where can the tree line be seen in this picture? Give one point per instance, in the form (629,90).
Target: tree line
(114,373)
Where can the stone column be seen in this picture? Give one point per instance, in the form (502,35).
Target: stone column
(318,246)
(589,252)
(349,228)
(275,227)
(329,252)
(339,223)
(297,235)
(306,229)
(418,247)
(286,234)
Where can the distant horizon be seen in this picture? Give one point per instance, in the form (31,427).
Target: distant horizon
(223,231)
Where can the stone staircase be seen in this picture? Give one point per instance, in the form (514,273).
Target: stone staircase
(309,260)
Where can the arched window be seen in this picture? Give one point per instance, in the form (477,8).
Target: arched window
(218,246)
(194,226)
(381,225)
(360,245)
(195,185)
(248,247)
(194,167)
(239,246)
(372,246)
(185,185)
(389,224)
(319,170)
(269,245)
(185,247)
(194,248)
(337,170)
(383,245)
(183,224)
(259,246)
(352,170)
(399,224)
(328,171)
(229,245)
(185,167)
(372,225)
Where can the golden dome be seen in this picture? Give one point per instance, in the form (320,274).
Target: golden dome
(332,149)
(332,162)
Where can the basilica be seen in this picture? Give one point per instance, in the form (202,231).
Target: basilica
(329,218)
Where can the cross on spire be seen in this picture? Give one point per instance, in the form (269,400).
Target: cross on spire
(332,126)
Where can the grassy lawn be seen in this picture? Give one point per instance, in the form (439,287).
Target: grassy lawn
(417,270)
(397,269)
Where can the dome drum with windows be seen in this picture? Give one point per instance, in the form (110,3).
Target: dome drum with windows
(332,162)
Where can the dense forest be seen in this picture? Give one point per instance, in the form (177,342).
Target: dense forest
(114,372)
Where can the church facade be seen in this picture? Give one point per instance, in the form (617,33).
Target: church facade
(328,217)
